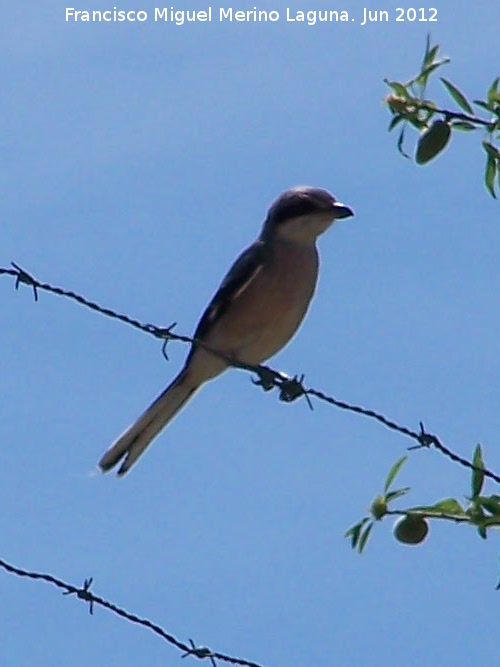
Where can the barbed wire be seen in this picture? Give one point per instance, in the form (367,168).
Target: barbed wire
(84,593)
(289,388)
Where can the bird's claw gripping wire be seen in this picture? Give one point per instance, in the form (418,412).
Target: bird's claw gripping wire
(267,379)
(293,388)
(290,388)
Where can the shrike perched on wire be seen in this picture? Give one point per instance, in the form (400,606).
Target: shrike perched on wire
(255,312)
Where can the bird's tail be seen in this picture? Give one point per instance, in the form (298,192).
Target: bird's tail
(131,444)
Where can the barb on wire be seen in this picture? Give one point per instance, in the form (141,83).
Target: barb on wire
(289,388)
(423,438)
(84,593)
(200,652)
(24,277)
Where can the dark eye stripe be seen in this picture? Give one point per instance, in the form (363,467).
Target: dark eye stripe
(292,208)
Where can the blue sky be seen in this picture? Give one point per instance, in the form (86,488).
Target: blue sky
(139,159)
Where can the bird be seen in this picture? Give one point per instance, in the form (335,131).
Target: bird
(257,309)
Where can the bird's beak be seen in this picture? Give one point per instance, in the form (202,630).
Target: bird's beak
(342,211)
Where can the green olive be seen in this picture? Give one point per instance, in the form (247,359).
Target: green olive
(411,529)
(379,507)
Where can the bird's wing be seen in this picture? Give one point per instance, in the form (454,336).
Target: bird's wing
(238,278)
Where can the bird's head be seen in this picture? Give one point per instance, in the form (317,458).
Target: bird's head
(303,213)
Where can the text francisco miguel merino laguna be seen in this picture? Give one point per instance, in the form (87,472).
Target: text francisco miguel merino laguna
(221,14)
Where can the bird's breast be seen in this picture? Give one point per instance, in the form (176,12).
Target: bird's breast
(265,315)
